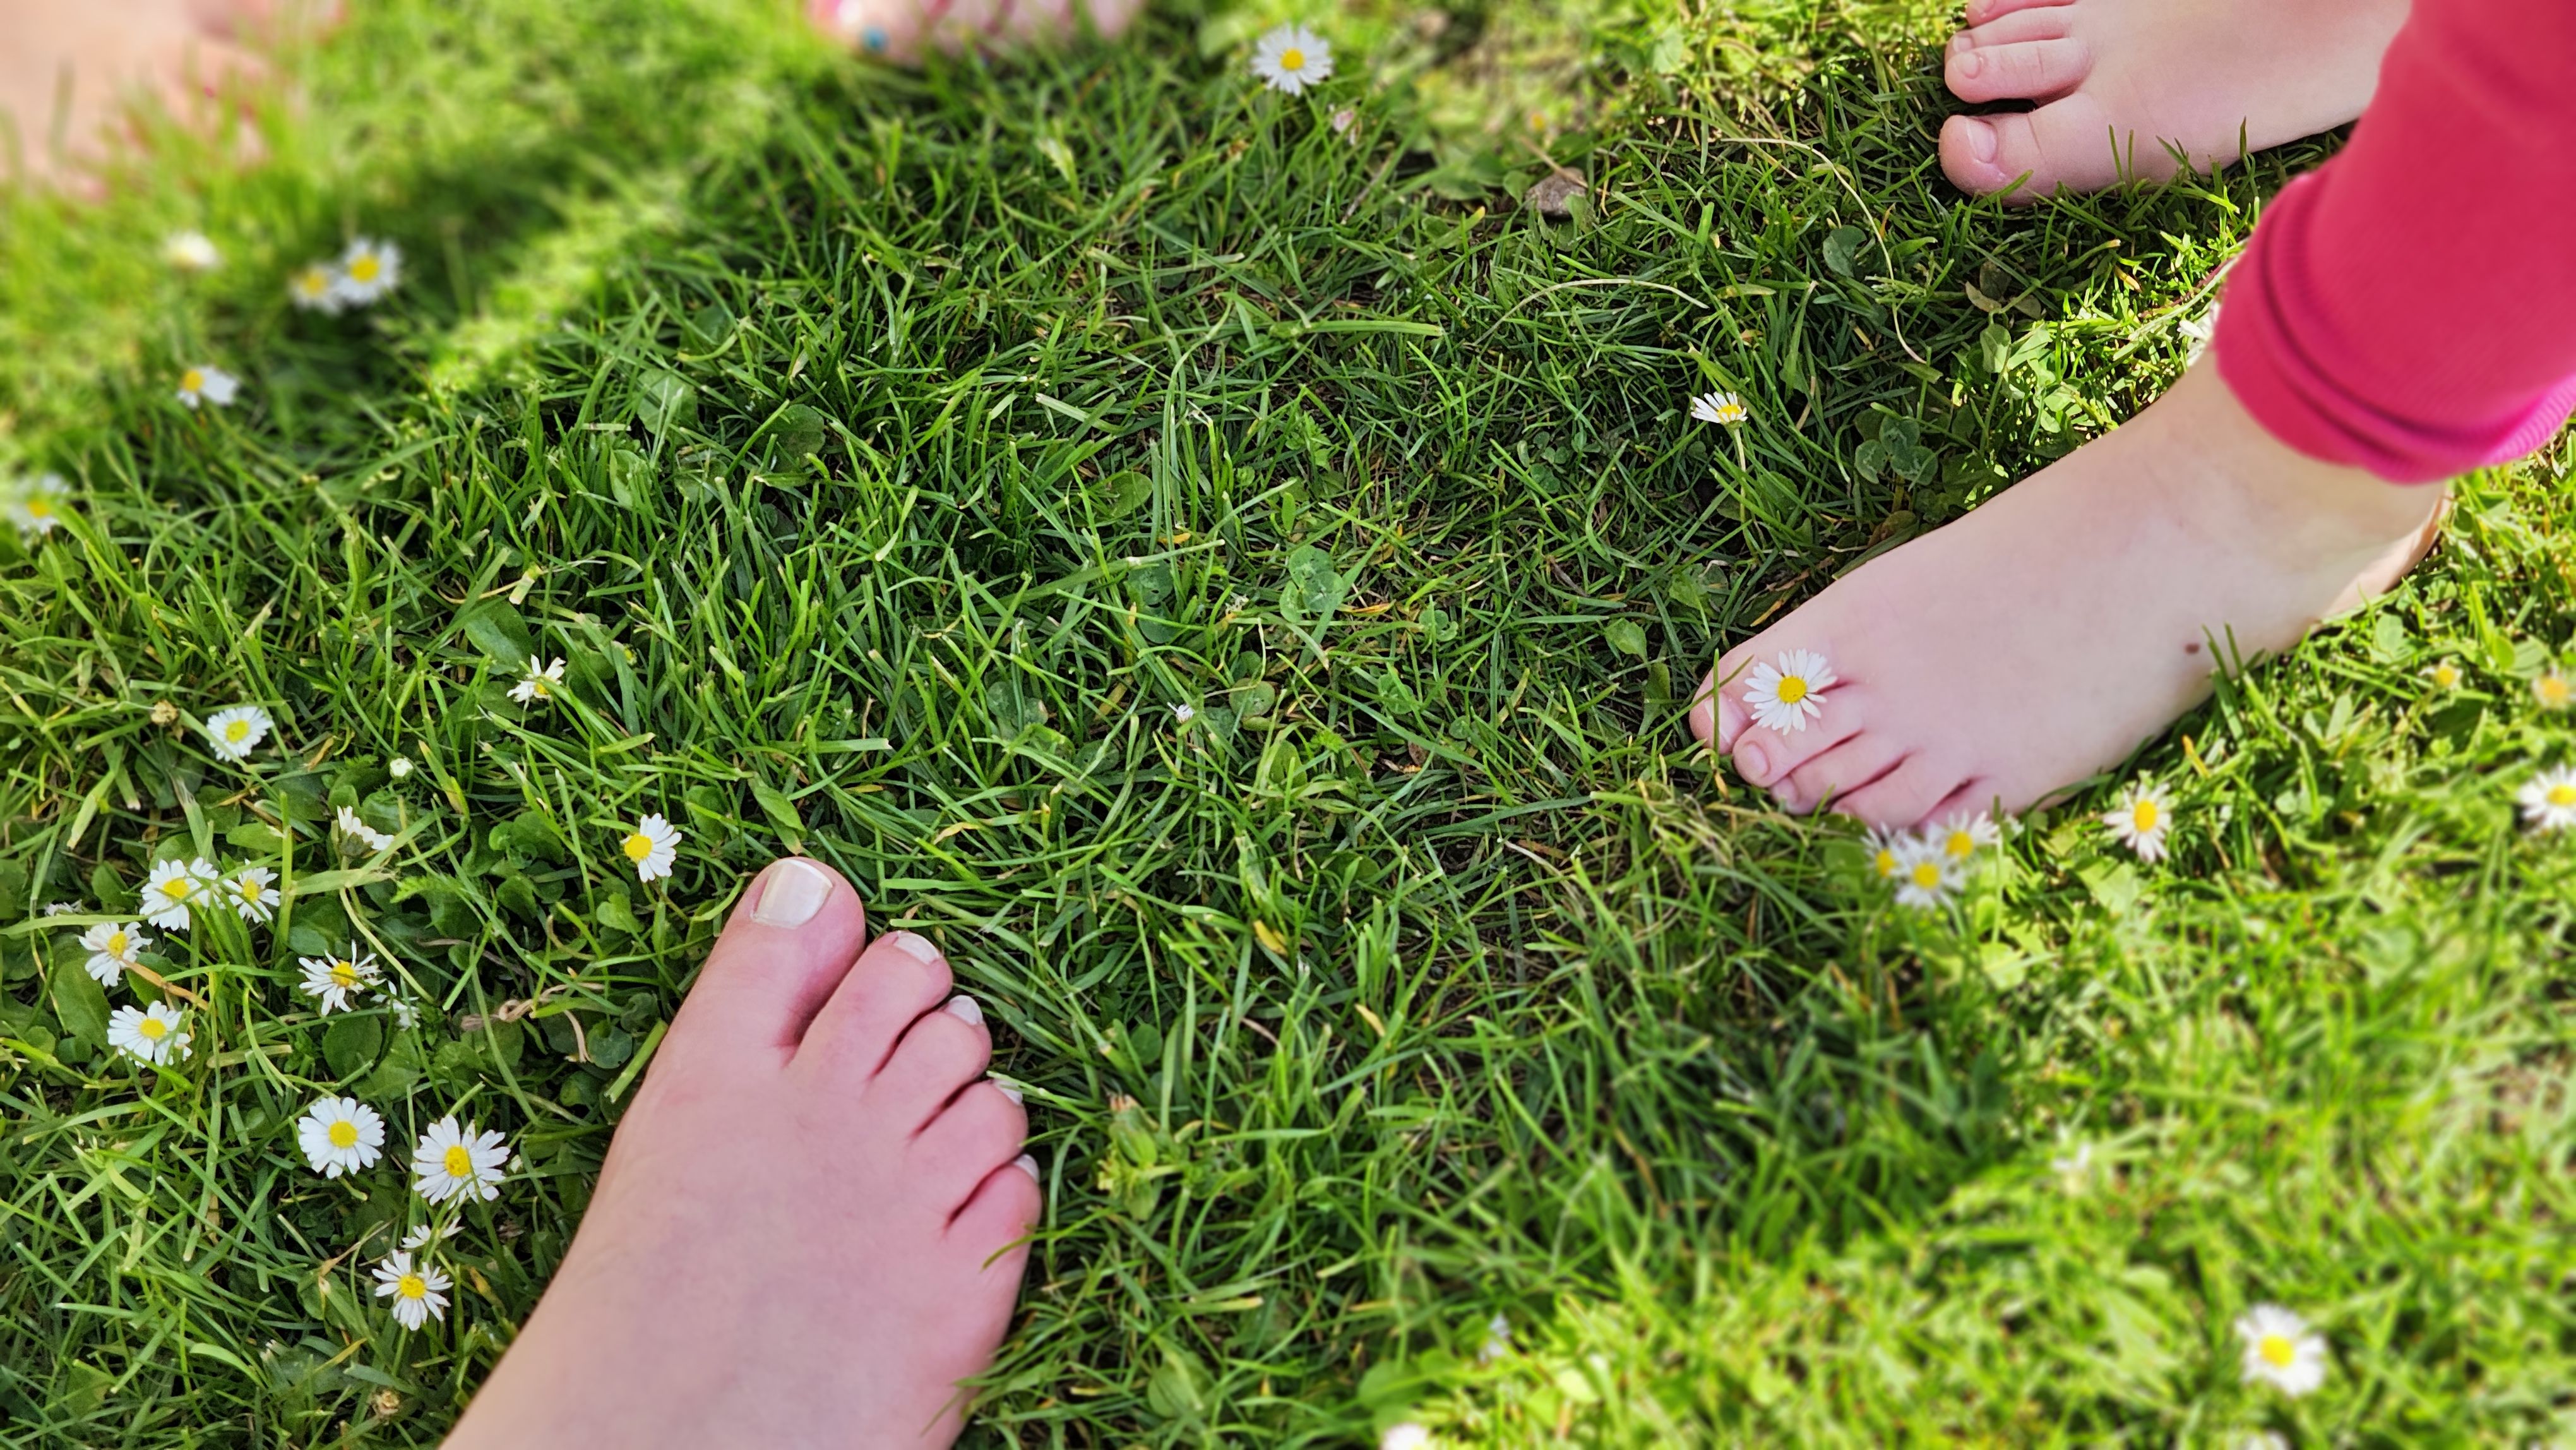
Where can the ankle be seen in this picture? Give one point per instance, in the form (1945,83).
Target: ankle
(2307,505)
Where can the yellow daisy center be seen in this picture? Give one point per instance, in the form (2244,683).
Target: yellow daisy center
(1792,689)
(192,381)
(343,1134)
(365,269)
(153,1029)
(40,508)
(2553,688)
(638,846)
(178,888)
(116,944)
(2446,676)
(412,1286)
(2277,1350)
(1292,59)
(312,283)
(1885,861)
(344,975)
(458,1162)
(1960,844)
(2562,795)
(1927,874)
(2144,816)
(237,731)
(248,888)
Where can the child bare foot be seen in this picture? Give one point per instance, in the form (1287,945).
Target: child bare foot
(2215,77)
(806,1232)
(2039,639)
(904,31)
(69,69)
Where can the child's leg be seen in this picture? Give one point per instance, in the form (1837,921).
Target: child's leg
(906,30)
(69,67)
(2118,79)
(2409,309)
(805,1230)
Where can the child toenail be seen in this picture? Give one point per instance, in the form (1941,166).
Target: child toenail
(1960,42)
(1969,65)
(1981,139)
(916,946)
(1007,1090)
(1029,1166)
(791,893)
(963,1008)
(1750,762)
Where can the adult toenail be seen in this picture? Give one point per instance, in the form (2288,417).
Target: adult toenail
(1750,762)
(1029,1166)
(1007,1090)
(963,1008)
(916,946)
(1981,139)
(791,893)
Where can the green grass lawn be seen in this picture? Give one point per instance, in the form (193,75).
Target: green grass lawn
(1233,581)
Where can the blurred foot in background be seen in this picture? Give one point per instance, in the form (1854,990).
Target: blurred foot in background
(903,31)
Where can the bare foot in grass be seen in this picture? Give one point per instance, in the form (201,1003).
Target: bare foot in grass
(2215,77)
(72,71)
(904,31)
(807,1230)
(2039,639)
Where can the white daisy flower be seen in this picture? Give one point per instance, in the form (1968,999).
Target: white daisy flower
(405,1015)
(415,1289)
(368,270)
(2552,689)
(2445,676)
(62,908)
(1404,1436)
(2074,1169)
(2261,1440)
(1882,846)
(2141,819)
(400,765)
(253,892)
(449,1162)
(1724,408)
(316,288)
(208,384)
(653,846)
(1925,874)
(2280,1351)
(1962,835)
(235,733)
(539,682)
(35,505)
(1291,58)
(2549,801)
(359,831)
(423,1236)
(1785,697)
(191,252)
(173,887)
(1498,1340)
(334,980)
(155,1034)
(340,1135)
(112,946)
(1184,713)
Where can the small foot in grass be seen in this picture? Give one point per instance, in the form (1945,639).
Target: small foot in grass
(2042,637)
(809,1227)
(904,31)
(2214,77)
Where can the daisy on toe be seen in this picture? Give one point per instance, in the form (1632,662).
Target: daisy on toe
(1925,874)
(450,1161)
(340,1135)
(2549,801)
(155,1034)
(1292,58)
(233,734)
(112,946)
(414,1288)
(653,845)
(1784,697)
(2279,1350)
(209,385)
(333,980)
(1725,408)
(253,892)
(173,887)
(2141,819)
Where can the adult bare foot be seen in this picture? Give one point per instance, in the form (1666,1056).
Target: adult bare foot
(2119,79)
(905,30)
(2039,639)
(70,70)
(807,1230)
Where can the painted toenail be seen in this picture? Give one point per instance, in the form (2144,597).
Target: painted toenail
(1029,1166)
(916,946)
(791,893)
(1007,1090)
(963,1008)
(1750,762)
(1981,139)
